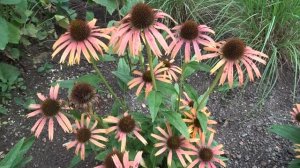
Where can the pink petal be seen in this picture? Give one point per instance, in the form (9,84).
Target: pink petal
(187,52)
(41,96)
(40,127)
(169,160)
(34,113)
(34,106)
(50,129)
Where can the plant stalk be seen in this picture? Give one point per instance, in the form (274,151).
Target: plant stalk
(150,60)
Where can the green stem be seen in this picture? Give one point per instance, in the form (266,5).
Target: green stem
(150,60)
(107,85)
(212,87)
(141,62)
(181,81)
(95,116)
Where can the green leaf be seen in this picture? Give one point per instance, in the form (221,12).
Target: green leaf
(8,73)
(127,7)
(101,156)
(202,118)
(295,163)
(74,161)
(165,88)
(92,79)
(287,131)
(194,66)
(192,93)
(15,156)
(3,33)
(175,119)
(62,21)
(154,100)
(10,2)
(3,110)
(14,33)
(110,5)
(123,71)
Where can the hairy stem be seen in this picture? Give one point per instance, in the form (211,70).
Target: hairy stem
(181,82)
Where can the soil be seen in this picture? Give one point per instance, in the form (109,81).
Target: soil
(242,125)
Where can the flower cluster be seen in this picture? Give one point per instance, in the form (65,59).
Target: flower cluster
(141,28)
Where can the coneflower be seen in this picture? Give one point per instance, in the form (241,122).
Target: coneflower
(82,37)
(49,108)
(141,24)
(234,52)
(190,34)
(296,114)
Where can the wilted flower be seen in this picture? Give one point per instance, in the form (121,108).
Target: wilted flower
(83,95)
(297,150)
(141,24)
(124,126)
(172,143)
(187,102)
(84,133)
(49,108)
(296,113)
(233,52)
(82,37)
(146,79)
(187,34)
(194,124)
(206,153)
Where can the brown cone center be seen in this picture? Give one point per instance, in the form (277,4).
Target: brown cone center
(173,142)
(126,124)
(147,77)
(50,107)
(79,30)
(142,16)
(82,93)
(189,30)
(83,135)
(167,64)
(297,117)
(233,49)
(206,154)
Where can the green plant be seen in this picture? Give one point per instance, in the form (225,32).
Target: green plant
(15,157)
(9,80)
(46,67)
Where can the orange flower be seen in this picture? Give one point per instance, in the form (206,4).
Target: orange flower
(82,37)
(296,113)
(233,52)
(171,70)
(145,79)
(194,123)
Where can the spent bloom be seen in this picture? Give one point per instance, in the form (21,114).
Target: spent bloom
(83,95)
(296,113)
(82,37)
(193,123)
(124,126)
(190,34)
(234,52)
(145,79)
(140,25)
(49,108)
(86,132)
(171,143)
(206,154)
(297,150)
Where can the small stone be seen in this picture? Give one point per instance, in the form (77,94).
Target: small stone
(4,122)
(244,135)
(144,105)
(239,156)
(241,143)
(247,158)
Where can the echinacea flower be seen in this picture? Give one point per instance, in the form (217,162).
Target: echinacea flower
(171,143)
(86,132)
(108,162)
(234,52)
(193,123)
(190,34)
(140,25)
(125,163)
(82,37)
(296,113)
(83,95)
(187,102)
(206,153)
(49,108)
(172,69)
(124,126)
(297,150)
(145,79)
